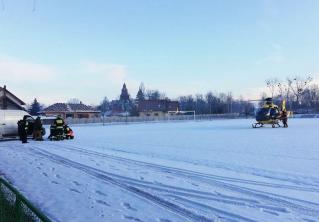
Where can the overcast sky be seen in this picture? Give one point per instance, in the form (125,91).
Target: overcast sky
(59,49)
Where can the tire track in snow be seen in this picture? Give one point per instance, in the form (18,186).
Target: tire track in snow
(101,175)
(217,181)
(311,187)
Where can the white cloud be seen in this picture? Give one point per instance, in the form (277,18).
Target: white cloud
(276,56)
(18,70)
(111,72)
(107,79)
(274,59)
(29,80)
(255,93)
(87,81)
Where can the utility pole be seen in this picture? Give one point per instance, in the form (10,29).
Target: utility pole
(104,111)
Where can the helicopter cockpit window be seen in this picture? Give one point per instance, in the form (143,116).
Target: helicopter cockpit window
(274,112)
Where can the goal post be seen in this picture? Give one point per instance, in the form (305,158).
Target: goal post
(182,112)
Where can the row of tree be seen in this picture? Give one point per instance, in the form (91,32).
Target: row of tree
(216,103)
(301,93)
(210,103)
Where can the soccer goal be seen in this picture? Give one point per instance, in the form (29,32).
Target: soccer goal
(182,112)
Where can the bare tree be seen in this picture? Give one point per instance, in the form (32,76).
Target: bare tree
(298,86)
(210,100)
(140,96)
(155,95)
(271,85)
(310,96)
(284,90)
(230,102)
(74,101)
(104,105)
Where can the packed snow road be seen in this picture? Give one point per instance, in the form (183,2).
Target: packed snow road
(165,172)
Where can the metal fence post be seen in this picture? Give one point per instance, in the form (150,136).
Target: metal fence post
(17,207)
(1,204)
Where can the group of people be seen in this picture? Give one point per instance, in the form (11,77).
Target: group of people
(25,129)
(59,130)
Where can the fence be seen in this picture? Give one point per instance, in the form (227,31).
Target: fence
(134,119)
(16,208)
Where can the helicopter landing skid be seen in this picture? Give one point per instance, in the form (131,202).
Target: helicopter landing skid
(275,125)
(259,125)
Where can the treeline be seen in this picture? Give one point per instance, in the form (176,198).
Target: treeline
(301,93)
(216,103)
(210,103)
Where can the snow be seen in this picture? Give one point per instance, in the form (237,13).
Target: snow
(220,170)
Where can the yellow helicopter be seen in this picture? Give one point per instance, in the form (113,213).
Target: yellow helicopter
(269,114)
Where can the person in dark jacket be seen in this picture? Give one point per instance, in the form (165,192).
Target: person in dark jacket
(284,118)
(37,129)
(59,124)
(23,129)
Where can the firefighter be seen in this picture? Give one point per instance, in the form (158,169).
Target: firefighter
(59,123)
(23,129)
(37,129)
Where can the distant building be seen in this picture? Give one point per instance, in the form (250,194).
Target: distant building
(117,108)
(157,107)
(9,101)
(123,106)
(71,110)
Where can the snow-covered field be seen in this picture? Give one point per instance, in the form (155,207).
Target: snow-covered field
(220,170)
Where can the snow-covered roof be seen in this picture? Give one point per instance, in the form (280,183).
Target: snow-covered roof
(11,98)
(69,107)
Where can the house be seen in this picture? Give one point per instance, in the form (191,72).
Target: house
(9,101)
(69,110)
(156,107)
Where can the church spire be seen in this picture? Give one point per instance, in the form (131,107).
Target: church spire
(124,94)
